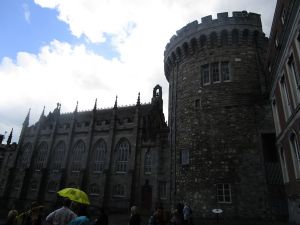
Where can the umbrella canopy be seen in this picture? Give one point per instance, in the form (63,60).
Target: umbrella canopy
(75,195)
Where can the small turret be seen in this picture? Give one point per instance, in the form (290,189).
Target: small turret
(9,137)
(138,100)
(95,106)
(116,102)
(26,121)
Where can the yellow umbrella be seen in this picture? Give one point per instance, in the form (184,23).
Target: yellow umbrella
(75,195)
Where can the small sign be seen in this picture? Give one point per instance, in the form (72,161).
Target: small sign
(217,211)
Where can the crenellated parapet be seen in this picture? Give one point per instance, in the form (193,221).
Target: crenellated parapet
(242,28)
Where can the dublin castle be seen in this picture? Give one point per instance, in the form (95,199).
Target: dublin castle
(231,141)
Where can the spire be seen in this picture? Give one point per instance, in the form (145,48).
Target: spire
(76,108)
(95,106)
(138,100)
(10,137)
(43,113)
(26,121)
(116,102)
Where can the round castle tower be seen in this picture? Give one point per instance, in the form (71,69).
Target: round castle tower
(216,86)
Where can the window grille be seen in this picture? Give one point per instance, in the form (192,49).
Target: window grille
(59,154)
(77,156)
(223,193)
(148,163)
(122,156)
(99,156)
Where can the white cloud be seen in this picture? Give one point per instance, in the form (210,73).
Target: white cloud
(26,12)
(65,73)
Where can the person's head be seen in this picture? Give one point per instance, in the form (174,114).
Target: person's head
(66,202)
(134,210)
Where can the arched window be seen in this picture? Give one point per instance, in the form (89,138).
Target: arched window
(213,39)
(224,37)
(235,36)
(41,156)
(255,37)
(77,156)
(118,190)
(295,154)
(202,41)
(245,35)
(99,156)
(122,156)
(24,159)
(147,163)
(59,155)
(94,189)
(194,45)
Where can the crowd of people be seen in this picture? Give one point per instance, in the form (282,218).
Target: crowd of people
(71,213)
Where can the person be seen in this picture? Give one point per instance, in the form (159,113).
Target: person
(179,208)
(175,218)
(158,217)
(135,218)
(82,218)
(187,214)
(102,218)
(12,216)
(63,215)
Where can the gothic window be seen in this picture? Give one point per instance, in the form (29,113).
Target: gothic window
(122,152)
(283,165)
(202,41)
(294,79)
(225,76)
(58,157)
(215,72)
(162,190)
(94,189)
(41,156)
(52,187)
(213,39)
(295,154)
(77,156)
(99,156)
(185,157)
(194,45)
(235,36)
(285,98)
(147,163)
(25,156)
(118,190)
(224,37)
(33,185)
(223,193)
(205,74)
(245,34)
(255,38)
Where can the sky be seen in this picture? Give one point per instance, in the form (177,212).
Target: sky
(67,51)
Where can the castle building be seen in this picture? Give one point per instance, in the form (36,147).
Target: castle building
(221,130)
(283,67)
(119,156)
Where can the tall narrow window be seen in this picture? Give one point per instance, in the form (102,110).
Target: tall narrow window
(213,39)
(295,154)
(122,156)
(215,72)
(223,193)
(77,156)
(148,163)
(276,117)
(94,189)
(285,98)
(224,37)
(118,190)
(41,156)
(99,156)
(205,74)
(294,79)
(235,36)
(283,12)
(225,71)
(58,156)
(283,166)
(162,190)
(24,159)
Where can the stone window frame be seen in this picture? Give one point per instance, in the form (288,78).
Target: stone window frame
(122,156)
(148,163)
(99,153)
(282,158)
(77,156)
(25,156)
(118,191)
(215,72)
(58,156)
(285,97)
(223,193)
(295,150)
(162,186)
(41,156)
(222,63)
(205,74)
(276,116)
(94,189)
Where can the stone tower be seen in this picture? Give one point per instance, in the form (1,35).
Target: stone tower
(217,115)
